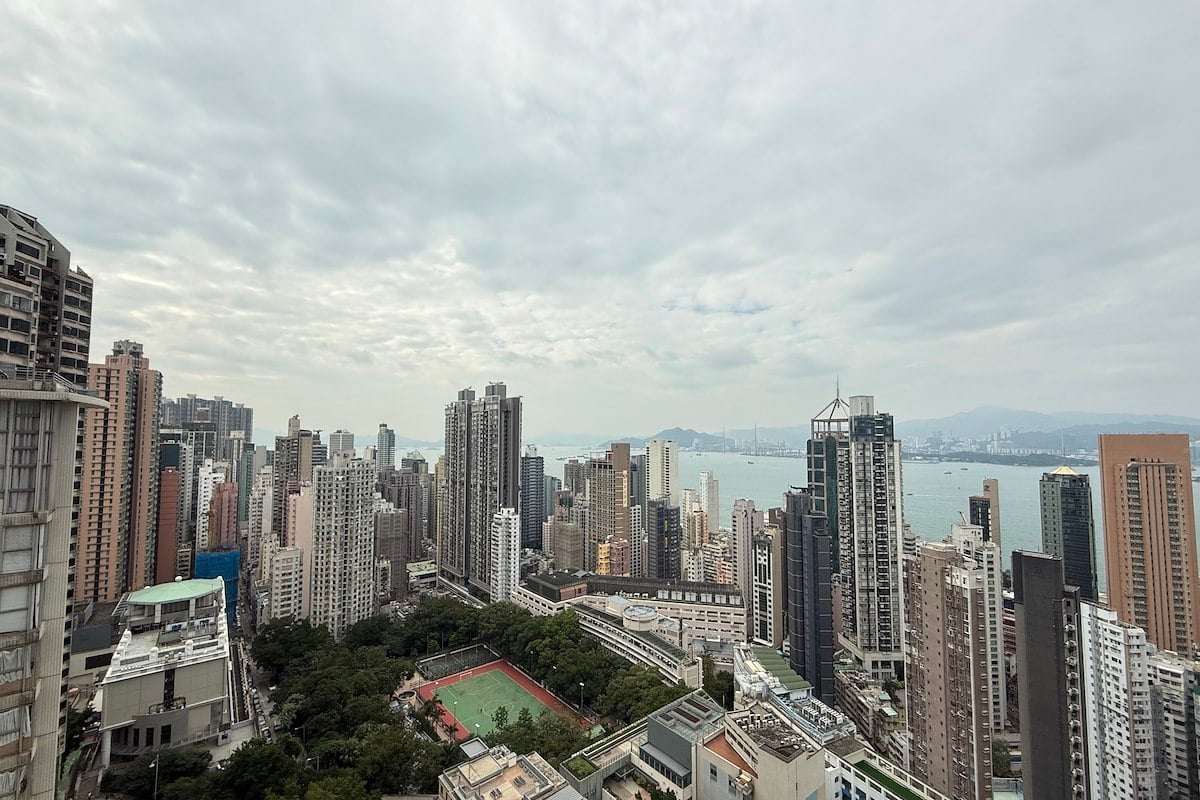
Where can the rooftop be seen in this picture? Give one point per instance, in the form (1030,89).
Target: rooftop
(176,592)
(774,665)
(694,716)
(500,774)
(773,732)
(662,645)
(1065,470)
(721,746)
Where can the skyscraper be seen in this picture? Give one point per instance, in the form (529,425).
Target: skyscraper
(210,476)
(343,543)
(341,441)
(39,423)
(166,539)
(1068,530)
(293,465)
(747,523)
(871,576)
(607,501)
(385,447)
(710,499)
(1150,536)
(809,578)
(483,439)
(550,486)
(1118,712)
(222,518)
(1054,752)
(949,708)
(828,472)
(533,501)
(768,587)
(985,511)
(506,554)
(119,480)
(391,546)
(663,540)
(662,471)
(49,303)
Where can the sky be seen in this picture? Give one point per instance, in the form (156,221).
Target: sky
(638,215)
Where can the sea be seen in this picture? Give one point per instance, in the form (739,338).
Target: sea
(935,493)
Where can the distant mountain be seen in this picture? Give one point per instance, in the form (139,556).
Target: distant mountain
(790,435)
(684,437)
(1083,424)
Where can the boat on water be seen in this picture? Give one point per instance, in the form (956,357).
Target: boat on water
(964,469)
(749,462)
(947,472)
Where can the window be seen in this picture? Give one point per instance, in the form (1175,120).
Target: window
(29,250)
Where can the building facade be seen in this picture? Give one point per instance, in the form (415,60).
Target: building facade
(809,579)
(1150,536)
(662,471)
(663,541)
(747,522)
(119,480)
(533,499)
(343,544)
(385,447)
(506,554)
(1068,527)
(871,575)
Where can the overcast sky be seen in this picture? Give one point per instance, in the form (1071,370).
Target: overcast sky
(638,217)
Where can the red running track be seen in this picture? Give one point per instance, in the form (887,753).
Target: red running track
(426,693)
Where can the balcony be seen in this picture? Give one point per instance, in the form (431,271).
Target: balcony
(24,578)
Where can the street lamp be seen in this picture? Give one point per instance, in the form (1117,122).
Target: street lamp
(155,765)
(581,696)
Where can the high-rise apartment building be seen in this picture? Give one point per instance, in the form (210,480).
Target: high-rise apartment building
(1175,692)
(385,447)
(1118,713)
(341,442)
(293,465)
(1053,748)
(343,543)
(747,522)
(983,555)
(222,518)
(39,423)
(984,511)
(871,575)
(210,476)
(663,540)
(710,499)
(1150,536)
(226,417)
(166,539)
(483,438)
(662,471)
(1068,528)
(391,546)
(410,488)
(119,480)
(809,578)
(506,554)
(768,587)
(575,476)
(550,486)
(48,304)
(260,536)
(607,492)
(949,707)
(533,500)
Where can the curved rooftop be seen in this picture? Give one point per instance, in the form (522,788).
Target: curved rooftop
(176,592)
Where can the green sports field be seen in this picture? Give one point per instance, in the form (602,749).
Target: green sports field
(474,700)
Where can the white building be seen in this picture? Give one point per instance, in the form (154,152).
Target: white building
(1117,707)
(871,576)
(767,585)
(288,596)
(1175,691)
(170,679)
(662,471)
(341,441)
(747,523)
(209,476)
(259,534)
(710,500)
(39,419)
(385,447)
(500,774)
(506,554)
(637,542)
(342,585)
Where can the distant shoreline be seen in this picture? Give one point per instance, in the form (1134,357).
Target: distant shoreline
(1033,460)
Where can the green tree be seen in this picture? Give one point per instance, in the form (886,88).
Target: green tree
(395,760)
(500,716)
(282,644)
(77,723)
(137,778)
(1001,759)
(718,683)
(255,769)
(339,787)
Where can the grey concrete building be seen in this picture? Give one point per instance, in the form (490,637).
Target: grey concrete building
(1069,528)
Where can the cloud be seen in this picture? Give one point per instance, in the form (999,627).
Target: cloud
(631,215)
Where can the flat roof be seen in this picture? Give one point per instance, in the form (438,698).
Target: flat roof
(176,591)
(773,663)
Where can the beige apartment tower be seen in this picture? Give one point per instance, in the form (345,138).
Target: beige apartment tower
(1150,536)
(119,482)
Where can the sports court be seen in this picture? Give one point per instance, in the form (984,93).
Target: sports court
(472,697)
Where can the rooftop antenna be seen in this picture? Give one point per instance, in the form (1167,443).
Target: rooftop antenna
(837,386)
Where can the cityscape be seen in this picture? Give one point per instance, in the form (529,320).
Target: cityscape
(572,402)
